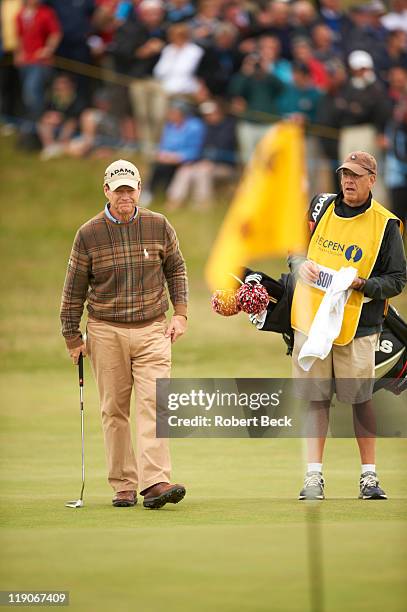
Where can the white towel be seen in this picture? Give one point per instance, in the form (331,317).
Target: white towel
(327,323)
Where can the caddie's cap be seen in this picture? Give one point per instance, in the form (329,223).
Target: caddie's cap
(360,163)
(121,172)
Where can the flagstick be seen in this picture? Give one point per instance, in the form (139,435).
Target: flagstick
(315,566)
(239,280)
(314,550)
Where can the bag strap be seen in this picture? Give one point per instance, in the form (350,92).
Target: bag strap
(318,207)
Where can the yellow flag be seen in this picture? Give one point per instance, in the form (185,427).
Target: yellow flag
(268,214)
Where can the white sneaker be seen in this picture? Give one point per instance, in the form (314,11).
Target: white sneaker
(313,486)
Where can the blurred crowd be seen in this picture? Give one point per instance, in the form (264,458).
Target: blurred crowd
(194,85)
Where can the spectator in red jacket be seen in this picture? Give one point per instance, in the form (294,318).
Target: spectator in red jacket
(303,53)
(39,34)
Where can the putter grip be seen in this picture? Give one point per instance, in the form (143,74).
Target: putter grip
(80,369)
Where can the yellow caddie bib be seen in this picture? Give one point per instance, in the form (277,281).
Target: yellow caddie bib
(340,242)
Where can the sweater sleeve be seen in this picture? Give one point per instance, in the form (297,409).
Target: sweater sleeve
(175,272)
(75,292)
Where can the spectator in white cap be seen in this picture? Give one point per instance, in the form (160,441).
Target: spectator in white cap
(365,106)
(360,60)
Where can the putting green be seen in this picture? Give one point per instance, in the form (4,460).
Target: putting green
(240,540)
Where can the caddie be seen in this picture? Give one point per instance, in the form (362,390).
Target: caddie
(121,264)
(351,229)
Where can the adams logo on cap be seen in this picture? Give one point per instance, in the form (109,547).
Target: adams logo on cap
(121,171)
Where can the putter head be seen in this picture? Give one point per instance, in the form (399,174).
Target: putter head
(75,504)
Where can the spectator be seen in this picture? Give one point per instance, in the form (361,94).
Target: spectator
(363,97)
(217,161)
(323,44)
(76,19)
(220,61)
(109,16)
(59,122)
(304,17)
(395,54)
(362,35)
(397,18)
(396,161)
(99,129)
(204,24)
(376,9)
(270,48)
(329,118)
(39,34)
(177,66)
(300,100)
(334,17)
(274,20)
(255,94)
(179,10)
(235,14)
(365,108)
(397,91)
(136,48)
(181,143)
(303,54)
(10,94)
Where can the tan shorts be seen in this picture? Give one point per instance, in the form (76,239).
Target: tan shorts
(347,370)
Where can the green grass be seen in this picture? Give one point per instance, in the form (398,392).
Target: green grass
(240,540)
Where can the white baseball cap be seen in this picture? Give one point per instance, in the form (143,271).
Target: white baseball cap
(360,59)
(121,172)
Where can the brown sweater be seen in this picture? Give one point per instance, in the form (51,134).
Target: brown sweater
(121,271)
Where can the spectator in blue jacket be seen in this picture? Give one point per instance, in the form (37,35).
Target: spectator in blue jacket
(181,143)
(218,160)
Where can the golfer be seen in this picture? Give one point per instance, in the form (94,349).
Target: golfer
(356,231)
(120,264)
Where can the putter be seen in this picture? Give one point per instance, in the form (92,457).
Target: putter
(79,502)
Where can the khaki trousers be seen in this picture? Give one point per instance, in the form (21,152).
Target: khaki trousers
(121,359)
(347,370)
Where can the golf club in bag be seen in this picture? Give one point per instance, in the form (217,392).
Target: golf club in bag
(79,502)
(390,357)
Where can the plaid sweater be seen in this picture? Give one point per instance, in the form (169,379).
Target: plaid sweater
(122,270)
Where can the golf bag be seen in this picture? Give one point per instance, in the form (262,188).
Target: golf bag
(391,352)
